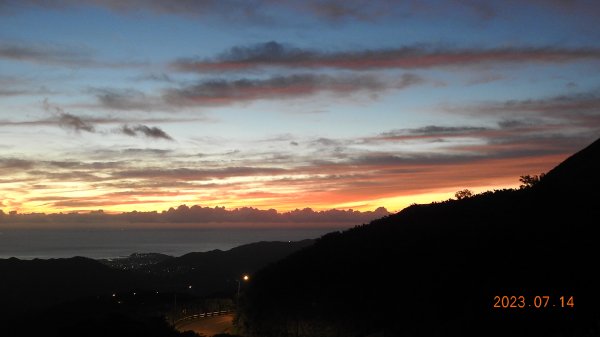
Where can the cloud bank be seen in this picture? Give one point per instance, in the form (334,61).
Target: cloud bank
(198,216)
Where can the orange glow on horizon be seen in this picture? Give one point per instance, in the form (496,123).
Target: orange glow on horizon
(393,203)
(376,186)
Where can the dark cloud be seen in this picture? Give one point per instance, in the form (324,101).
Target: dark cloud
(398,160)
(53,121)
(68,56)
(128,153)
(351,9)
(197,174)
(334,11)
(77,124)
(562,104)
(243,57)
(514,123)
(128,99)
(58,168)
(14,163)
(21,91)
(234,10)
(432,132)
(220,92)
(150,132)
(409,57)
(408,80)
(85,175)
(215,92)
(156,77)
(153,152)
(66,120)
(44,54)
(327,142)
(437,130)
(10,92)
(72,122)
(578,109)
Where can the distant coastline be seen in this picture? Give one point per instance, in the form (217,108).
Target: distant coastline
(114,243)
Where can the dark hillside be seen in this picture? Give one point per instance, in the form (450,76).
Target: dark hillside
(434,270)
(217,271)
(29,285)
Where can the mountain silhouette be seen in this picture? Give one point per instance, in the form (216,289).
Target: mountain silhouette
(579,173)
(436,269)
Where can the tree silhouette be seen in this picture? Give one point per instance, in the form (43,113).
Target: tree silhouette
(528,181)
(463,194)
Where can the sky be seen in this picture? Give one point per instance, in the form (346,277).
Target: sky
(146,105)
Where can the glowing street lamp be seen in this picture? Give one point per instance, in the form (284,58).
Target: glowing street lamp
(245,278)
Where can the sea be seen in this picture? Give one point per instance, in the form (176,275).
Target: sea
(114,243)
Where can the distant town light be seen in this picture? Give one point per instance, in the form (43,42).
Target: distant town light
(246,277)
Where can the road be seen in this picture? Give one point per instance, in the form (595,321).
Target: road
(210,326)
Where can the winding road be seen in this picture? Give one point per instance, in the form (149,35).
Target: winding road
(209,326)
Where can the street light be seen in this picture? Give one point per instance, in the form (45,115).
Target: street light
(245,278)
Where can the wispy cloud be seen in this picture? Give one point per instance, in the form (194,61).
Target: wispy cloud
(276,54)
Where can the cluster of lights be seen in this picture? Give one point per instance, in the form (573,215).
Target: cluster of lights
(245,278)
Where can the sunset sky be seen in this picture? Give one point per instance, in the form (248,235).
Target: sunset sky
(128,105)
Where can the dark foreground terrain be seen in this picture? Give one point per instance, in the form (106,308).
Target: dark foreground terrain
(503,263)
(138,296)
